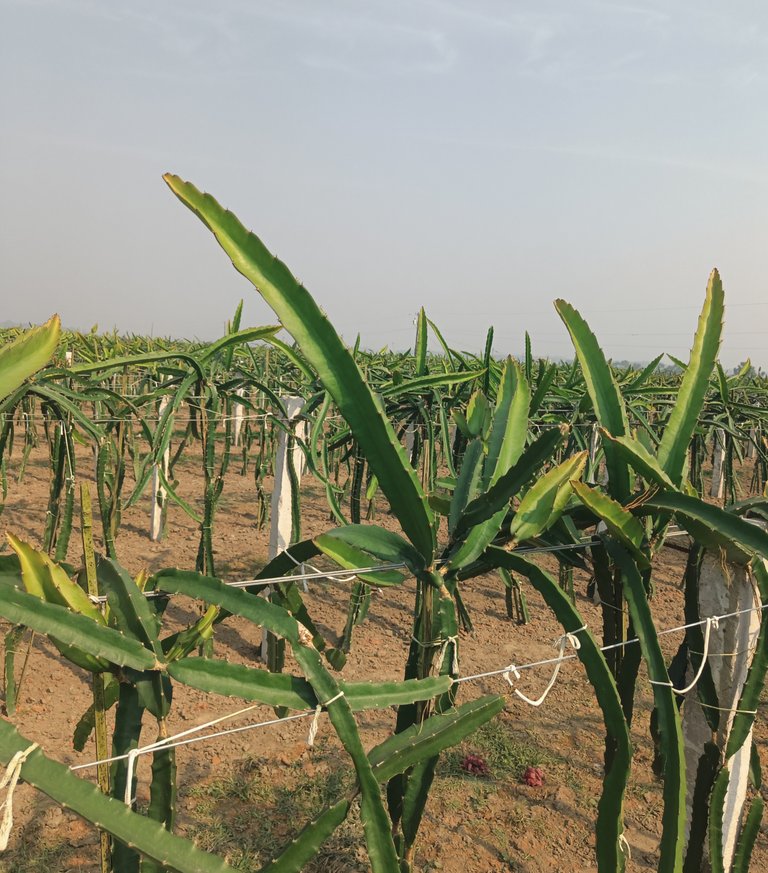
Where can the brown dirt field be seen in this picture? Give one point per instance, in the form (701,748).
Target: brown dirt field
(235,787)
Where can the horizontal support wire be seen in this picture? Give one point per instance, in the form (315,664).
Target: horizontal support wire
(621,645)
(174,743)
(344,575)
(330,575)
(175,419)
(414,426)
(185,738)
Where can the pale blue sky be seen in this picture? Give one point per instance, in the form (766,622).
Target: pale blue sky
(479,158)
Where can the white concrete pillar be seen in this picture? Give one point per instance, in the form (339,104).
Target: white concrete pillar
(718,465)
(410,435)
(280,528)
(237,417)
(724,588)
(751,450)
(280,522)
(158,491)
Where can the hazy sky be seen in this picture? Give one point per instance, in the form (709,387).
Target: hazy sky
(478,158)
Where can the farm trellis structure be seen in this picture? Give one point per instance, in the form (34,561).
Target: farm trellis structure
(497,456)
(124,411)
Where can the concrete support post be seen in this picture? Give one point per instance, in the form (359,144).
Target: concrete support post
(158,491)
(237,417)
(280,515)
(718,465)
(724,587)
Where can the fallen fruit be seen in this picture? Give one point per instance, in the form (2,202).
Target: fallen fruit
(534,776)
(475,766)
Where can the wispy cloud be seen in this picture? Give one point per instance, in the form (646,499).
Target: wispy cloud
(649,41)
(361,39)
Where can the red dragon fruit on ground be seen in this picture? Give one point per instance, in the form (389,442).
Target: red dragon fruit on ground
(534,776)
(475,766)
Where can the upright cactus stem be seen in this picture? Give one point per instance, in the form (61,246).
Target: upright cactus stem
(99,709)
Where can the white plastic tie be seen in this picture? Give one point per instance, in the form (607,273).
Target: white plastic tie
(571,639)
(598,602)
(316,718)
(566,639)
(300,566)
(626,849)
(9,781)
(505,672)
(296,561)
(314,726)
(712,622)
(128,797)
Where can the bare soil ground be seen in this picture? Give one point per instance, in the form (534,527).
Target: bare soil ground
(244,795)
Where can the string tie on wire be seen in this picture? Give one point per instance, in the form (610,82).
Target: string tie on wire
(9,781)
(626,849)
(568,638)
(349,578)
(316,718)
(712,621)
(314,726)
(128,797)
(444,650)
(300,565)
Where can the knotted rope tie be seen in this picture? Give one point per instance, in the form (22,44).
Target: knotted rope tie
(9,781)
(712,622)
(560,643)
(316,719)
(443,652)
(443,643)
(427,644)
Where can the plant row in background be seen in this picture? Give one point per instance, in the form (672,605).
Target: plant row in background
(132,400)
(502,455)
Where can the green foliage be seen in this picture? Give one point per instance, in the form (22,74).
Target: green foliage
(670,731)
(685,414)
(498,448)
(324,350)
(603,391)
(100,644)
(28,353)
